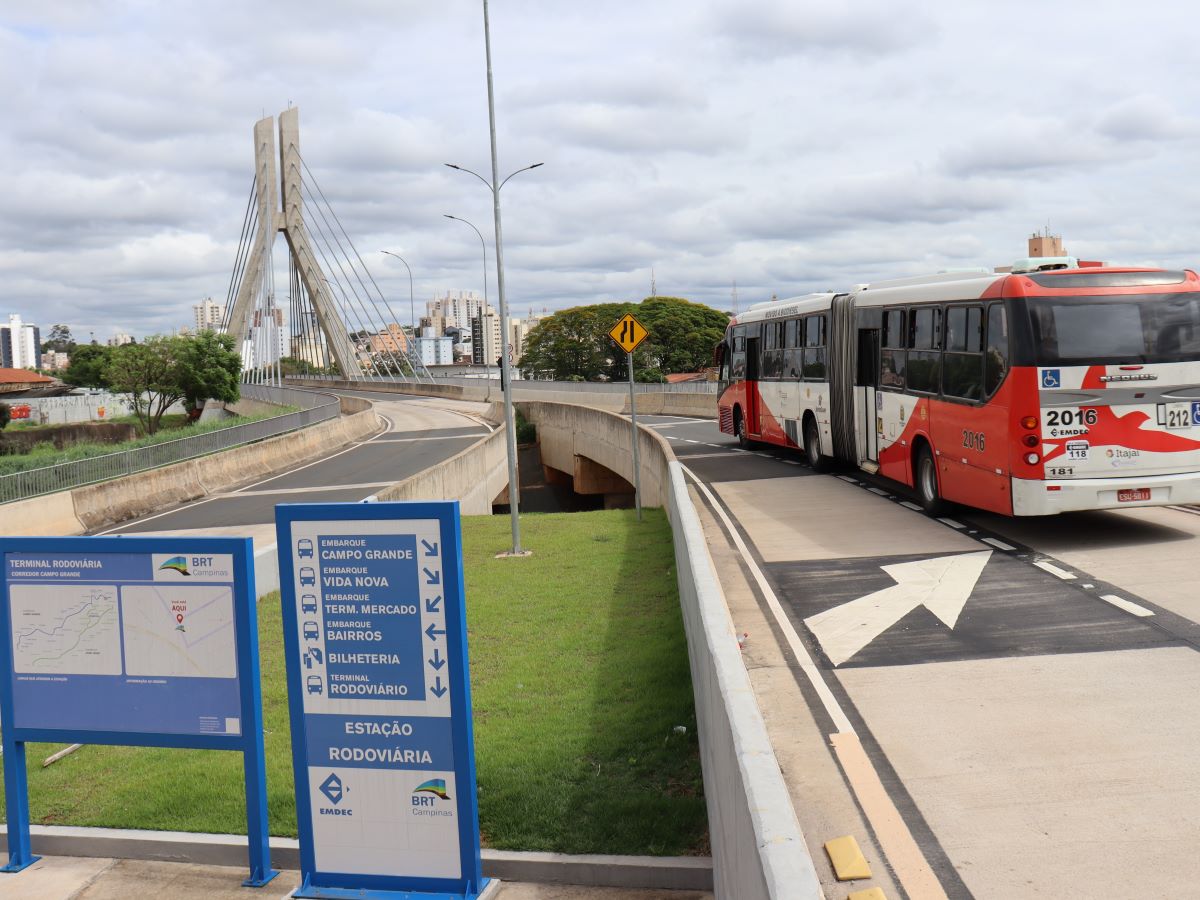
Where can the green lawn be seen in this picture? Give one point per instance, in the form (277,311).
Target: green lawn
(579,676)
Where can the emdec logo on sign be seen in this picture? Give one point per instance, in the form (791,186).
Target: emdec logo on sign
(333,788)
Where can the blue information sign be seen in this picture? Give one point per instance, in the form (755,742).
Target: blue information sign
(376,647)
(136,641)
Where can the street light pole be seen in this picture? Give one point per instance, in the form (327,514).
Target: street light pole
(487,369)
(412,307)
(514,487)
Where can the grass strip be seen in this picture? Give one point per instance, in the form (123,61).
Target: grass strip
(584,724)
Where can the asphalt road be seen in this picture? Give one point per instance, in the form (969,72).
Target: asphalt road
(418,435)
(995,707)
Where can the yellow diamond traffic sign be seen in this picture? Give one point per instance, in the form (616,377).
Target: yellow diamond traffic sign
(629,332)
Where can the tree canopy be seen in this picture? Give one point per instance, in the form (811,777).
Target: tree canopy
(87,366)
(59,340)
(162,371)
(574,343)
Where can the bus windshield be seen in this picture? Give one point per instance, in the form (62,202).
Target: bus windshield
(1149,328)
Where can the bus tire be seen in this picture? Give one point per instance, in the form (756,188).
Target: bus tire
(816,460)
(739,429)
(925,479)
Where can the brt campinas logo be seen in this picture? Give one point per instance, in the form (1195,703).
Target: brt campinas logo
(435,786)
(178,564)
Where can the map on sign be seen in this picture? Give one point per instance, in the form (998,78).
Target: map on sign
(628,333)
(179,631)
(66,629)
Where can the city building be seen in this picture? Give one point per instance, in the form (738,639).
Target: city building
(309,349)
(54,361)
(393,339)
(458,308)
(20,345)
(436,351)
(18,380)
(267,338)
(208,315)
(486,345)
(119,339)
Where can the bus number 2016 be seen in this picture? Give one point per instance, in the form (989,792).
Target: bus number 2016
(1071,417)
(973,440)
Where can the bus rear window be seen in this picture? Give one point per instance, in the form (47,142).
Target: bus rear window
(1133,329)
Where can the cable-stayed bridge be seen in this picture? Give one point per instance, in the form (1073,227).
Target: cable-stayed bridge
(337,317)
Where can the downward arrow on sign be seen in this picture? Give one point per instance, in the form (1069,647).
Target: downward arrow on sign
(941,585)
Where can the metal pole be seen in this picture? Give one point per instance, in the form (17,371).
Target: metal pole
(487,369)
(637,463)
(514,484)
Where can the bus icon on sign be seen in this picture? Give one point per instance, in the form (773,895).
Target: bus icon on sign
(304,549)
(308,576)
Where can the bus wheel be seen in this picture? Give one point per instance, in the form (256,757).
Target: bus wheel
(739,428)
(817,461)
(927,482)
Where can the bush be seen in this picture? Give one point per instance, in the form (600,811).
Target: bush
(5,415)
(526,431)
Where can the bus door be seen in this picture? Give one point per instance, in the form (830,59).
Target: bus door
(753,426)
(866,392)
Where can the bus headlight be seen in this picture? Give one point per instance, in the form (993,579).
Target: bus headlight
(1032,458)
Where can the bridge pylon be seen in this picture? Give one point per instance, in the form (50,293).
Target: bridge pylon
(280,207)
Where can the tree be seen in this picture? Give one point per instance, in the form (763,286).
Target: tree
(88,365)
(574,343)
(149,374)
(5,415)
(208,368)
(682,333)
(59,340)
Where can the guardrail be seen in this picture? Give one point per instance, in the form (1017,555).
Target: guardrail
(592,387)
(315,407)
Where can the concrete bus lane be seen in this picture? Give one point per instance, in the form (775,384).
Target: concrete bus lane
(1023,690)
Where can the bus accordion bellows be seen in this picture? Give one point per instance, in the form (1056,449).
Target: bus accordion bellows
(1022,393)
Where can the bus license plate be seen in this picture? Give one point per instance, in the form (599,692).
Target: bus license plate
(1129,495)
(1178,415)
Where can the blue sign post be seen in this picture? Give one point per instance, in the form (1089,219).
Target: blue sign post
(135,641)
(375,638)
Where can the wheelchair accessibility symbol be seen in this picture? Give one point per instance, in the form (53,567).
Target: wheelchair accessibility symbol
(1051,378)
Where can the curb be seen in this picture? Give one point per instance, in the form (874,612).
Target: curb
(665,873)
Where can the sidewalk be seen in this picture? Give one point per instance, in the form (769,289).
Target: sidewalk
(82,878)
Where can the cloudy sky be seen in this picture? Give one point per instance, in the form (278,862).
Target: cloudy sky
(790,146)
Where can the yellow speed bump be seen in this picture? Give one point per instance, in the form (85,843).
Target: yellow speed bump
(868,894)
(848,861)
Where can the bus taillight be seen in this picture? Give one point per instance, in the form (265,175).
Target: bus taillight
(1032,459)
(1029,423)
(1030,440)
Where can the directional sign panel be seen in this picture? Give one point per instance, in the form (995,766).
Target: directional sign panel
(628,333)
(375,639)
(132,641)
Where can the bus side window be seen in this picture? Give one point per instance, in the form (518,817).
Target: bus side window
(996,357)
(924,359)
(891,358)
(792,355)
(962,365)
(814,348)
(737,358)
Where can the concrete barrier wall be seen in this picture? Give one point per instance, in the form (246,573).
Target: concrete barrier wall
(474,477)
(567,430)
(665,403)
(109,502)
(759,850)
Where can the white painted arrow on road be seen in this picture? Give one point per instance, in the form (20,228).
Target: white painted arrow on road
(941,585)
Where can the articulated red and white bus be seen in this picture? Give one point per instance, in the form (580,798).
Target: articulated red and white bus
(1025,393)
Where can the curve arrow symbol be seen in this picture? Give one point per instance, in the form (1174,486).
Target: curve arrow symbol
(942,585)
